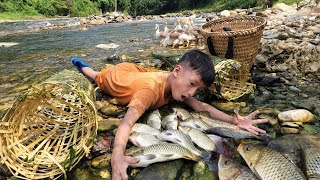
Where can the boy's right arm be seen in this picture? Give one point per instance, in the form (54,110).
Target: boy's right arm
(119,161)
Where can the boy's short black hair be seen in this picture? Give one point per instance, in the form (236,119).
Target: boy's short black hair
(200,62)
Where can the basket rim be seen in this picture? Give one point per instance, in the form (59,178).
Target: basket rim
(238,32)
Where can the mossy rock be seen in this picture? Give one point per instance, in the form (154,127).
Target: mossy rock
(309,129)
(164,170)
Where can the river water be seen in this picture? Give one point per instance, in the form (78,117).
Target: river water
(40,54)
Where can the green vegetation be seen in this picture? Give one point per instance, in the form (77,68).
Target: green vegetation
(24,9)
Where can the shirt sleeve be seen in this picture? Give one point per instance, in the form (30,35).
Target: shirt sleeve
(143,99)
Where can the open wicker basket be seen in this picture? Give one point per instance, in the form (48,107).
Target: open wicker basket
(49,128)
(231,82)
(236,38)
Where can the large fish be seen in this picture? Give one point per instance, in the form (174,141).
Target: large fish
(232,170)
(310,145)
(195,123)
(154,119)
(267,163)
(160,153)
(170,121)
(144,128)
(184,140)
(214,122)
(233,133)
(311,157)
(143,139)
(199,138)
(183,114)
(226,129)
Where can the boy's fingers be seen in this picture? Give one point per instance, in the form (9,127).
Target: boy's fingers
(253,114)
(258,130)
(132,160)
(259,121)
(253,132)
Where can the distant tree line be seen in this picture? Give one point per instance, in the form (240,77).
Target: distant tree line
(52,8)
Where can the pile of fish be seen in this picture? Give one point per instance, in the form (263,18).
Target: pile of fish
(267,163)
(180,134)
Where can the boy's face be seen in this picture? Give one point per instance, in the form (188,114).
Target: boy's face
(186,84)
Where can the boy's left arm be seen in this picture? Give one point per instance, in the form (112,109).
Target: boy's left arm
(244,122)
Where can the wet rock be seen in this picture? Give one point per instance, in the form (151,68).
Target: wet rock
(296,115)
(84,174)
(164,170)
(264,97)
(225,13)
(4,171)
(101,161)
(290,127)
(295,89)
(310,130)
(108,46)
(8,44)
(201,172)
(108,124)
(304,105)
(109,110)
(229,106)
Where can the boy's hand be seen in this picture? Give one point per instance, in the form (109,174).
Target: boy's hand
(247,123)
(120,164)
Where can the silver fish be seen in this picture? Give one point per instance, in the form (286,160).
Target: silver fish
(267,163)
(160,153)
(199,138)
(184,140)
(170,121)
(232,170)
(195,123)
(143,139)
(183,114)
(214,122)
(154,119)
(226,129)
(144,128)
(232,133)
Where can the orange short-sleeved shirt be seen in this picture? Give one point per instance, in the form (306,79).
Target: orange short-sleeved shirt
(142,88)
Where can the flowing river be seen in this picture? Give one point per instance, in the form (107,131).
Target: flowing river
(40,54)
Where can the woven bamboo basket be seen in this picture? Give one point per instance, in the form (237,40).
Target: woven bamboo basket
(231,82)
(236,38)
(49,128)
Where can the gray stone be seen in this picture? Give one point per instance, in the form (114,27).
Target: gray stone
(164,170)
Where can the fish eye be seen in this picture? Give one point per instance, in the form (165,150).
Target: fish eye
(249,147)
(227,162)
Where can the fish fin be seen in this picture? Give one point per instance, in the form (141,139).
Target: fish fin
(167,155)
(177,140)
(197,126)
(149,156)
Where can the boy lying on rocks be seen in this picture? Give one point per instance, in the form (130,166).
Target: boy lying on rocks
(143,89)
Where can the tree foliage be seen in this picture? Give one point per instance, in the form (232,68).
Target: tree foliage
(52,8)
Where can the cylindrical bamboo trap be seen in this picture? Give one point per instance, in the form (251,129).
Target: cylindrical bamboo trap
(49,128)
(231,80)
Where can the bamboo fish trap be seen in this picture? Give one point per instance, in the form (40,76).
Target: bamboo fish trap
(230,82)
(49,128)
